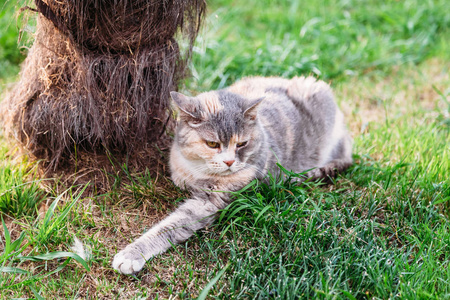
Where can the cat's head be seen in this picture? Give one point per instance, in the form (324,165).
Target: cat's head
(217,131)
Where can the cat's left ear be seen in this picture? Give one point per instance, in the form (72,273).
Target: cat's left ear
(251,111)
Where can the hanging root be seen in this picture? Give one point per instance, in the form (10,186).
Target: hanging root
(98,76)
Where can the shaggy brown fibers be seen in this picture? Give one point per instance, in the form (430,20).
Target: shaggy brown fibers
(98,76)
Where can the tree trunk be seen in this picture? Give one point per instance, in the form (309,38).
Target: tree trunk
(98,76)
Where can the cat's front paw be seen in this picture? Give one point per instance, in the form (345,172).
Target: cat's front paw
(128,261)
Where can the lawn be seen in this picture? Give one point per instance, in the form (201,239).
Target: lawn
(382,230)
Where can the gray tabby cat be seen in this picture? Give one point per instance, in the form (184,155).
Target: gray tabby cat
(227,138)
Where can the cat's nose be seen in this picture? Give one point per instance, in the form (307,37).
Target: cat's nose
(229,162)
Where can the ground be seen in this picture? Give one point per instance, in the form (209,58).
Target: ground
(380,231)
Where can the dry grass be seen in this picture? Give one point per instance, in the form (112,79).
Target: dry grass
(364,99)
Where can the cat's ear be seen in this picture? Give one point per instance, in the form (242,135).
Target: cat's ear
(183,103)
(251,111)
(188,110)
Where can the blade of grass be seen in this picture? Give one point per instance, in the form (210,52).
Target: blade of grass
(13,270)
(208,287)
(55,255)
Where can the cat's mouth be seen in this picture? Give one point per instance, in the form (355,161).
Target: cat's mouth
(224,171)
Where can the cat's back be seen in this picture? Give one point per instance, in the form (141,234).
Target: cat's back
(297,89)
(299,115)
(277,114)
(256,86)
(276,108)
(300,96)
(304,99)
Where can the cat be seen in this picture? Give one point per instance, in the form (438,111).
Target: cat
(227,138)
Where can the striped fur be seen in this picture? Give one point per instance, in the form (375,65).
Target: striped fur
(229,137)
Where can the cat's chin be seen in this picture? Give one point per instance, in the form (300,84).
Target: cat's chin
(229,172)
(224,173)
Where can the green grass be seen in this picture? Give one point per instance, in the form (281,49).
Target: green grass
(36,237)
(20,194)
(18,197)
(381,231)
(386,238)
(332,39)
(11,39)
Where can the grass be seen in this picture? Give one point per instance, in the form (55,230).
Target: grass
(380,231)
(331,39)
(20,194)
(10,35)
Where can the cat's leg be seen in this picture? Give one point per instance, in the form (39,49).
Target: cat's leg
(340,160)
(192,215)
(330,170)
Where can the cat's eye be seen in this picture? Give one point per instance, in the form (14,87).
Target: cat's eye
(212,144)
(239,145)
